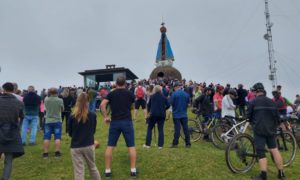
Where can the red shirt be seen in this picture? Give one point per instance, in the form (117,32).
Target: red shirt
(218,100)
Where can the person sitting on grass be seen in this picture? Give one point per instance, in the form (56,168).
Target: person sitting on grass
(82,127)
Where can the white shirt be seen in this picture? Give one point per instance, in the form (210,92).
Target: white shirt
(228,108)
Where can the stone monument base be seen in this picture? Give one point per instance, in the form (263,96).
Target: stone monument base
(166,72)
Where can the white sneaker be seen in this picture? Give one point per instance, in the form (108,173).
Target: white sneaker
(145,146)
(160,147)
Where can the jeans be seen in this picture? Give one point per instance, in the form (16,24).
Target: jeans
(53,128)
(33,120)
(7,166)
(160,125)
(178,122)
(217,114)
(92,107)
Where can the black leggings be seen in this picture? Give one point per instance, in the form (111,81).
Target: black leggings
(7,166)
(66,115)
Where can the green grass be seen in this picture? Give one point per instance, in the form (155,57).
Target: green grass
(202,161)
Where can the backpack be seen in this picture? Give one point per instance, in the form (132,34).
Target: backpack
(140,92)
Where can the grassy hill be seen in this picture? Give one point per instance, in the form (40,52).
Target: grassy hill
(202,161)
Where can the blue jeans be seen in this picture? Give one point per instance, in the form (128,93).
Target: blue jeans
(160,125)
(217,114)
(178,122)
(92,107)
(52,128)
(33,120)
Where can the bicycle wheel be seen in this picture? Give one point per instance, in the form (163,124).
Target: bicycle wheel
(195,130)
(218,137)
(240,154)
(286,143)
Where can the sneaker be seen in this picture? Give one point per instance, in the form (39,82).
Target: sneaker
(281,176)
(160,147)
(58,154)
(32,144)
(107,174)
(45,155)
(133,174)
(188,146)
(174,146)
(257,177)
(145,146)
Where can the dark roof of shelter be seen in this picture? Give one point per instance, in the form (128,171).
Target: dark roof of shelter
(129,74)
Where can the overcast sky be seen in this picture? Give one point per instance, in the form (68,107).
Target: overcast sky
(46,43)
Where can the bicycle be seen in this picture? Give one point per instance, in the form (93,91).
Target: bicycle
(241,152)
(196,127)
(290,123)
(223,132)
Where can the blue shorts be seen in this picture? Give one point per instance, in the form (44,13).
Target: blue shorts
(52,128)
(121,126)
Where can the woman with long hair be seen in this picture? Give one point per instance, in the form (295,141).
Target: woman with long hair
(82,127)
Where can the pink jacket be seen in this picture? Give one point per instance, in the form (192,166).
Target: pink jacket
(42,107)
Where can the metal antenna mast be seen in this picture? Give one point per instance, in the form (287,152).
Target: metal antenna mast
(268,37)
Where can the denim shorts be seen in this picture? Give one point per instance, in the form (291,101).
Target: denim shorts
(52,128)
(121,126)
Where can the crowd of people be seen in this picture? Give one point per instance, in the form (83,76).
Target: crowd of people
(158,98)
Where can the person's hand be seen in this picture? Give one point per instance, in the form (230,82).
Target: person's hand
(96,144)
(107,120)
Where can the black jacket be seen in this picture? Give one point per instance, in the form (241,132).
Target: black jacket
(11,110)
(204,104)
(69,102)
(241,100)
(264,116)
(82,133)
(158,104)
(32,103)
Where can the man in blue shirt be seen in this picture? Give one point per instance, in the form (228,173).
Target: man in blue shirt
(179,101)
